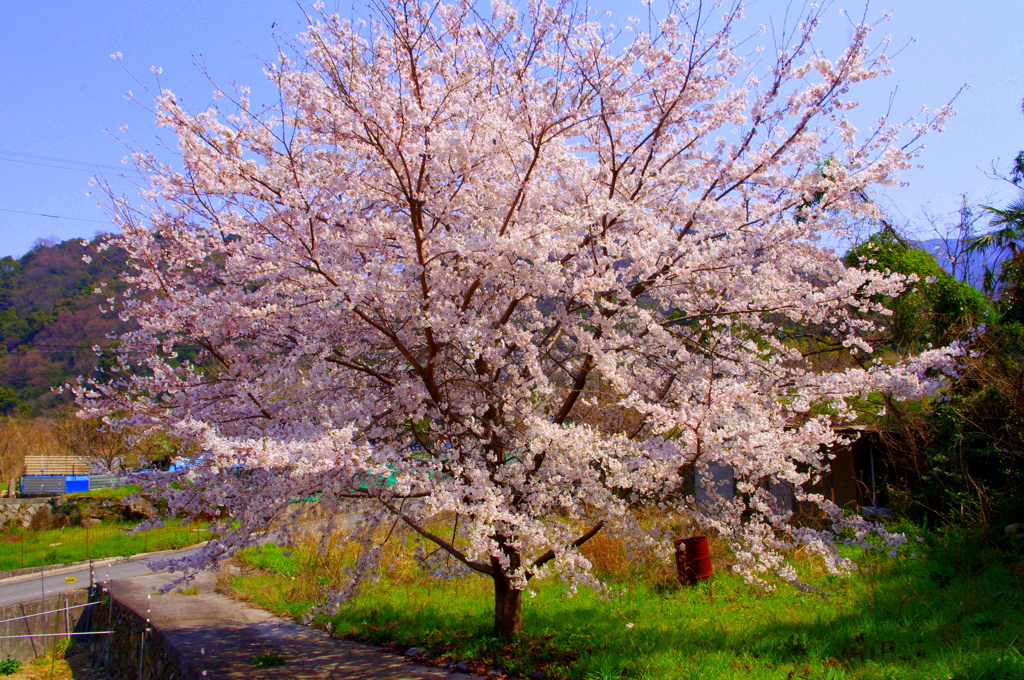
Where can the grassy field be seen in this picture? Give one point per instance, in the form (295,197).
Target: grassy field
(955,610)
(24,548)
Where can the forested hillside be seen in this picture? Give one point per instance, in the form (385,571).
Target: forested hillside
(51,319)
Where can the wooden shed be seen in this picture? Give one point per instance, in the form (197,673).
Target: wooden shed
(857,477)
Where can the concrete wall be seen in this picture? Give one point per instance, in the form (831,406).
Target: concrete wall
(118,654)
(133,639)
(25,648)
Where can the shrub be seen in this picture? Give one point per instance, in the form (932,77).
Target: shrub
(9,666)
(268,657)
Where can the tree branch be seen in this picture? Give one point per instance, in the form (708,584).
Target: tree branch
(445,545)
(550,554)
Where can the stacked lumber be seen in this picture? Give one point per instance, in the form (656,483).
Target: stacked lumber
(56,465)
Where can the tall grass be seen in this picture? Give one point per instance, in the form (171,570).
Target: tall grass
(955,610)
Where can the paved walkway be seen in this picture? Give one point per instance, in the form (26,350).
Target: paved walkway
(221,636)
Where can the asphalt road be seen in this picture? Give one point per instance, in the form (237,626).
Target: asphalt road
(28,587)
(32,586)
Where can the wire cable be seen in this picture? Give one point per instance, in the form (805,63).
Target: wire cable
(67,161)
(55,217)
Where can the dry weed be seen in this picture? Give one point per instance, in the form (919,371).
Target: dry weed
(323,561)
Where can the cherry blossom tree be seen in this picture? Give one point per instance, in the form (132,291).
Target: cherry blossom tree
(522,273)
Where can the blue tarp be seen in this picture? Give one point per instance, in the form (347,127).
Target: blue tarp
(76,483)
(54,484)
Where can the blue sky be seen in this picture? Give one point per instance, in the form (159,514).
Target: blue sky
(62,93)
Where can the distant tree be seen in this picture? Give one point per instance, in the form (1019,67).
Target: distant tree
(1011,301)
(21,437)
(109,449)
(1008,223)
(1008,234)
(44,242)
(9,401)
(953,246)
(9,270)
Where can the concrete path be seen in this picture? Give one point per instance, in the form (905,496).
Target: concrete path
(222,636)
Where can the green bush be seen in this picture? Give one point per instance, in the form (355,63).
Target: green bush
(268,658)
(935,309)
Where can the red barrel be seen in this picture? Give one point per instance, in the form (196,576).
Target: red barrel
(693,559)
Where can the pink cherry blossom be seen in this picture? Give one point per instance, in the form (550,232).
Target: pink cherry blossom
(519,271)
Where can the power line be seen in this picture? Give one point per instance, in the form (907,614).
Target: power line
(176,348)
(54,217)
(66,161)
(58,349)
(49,165)
(31,344)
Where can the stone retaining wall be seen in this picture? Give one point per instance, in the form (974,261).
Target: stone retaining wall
(25,648)
(18,512)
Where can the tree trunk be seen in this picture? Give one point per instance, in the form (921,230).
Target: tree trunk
(508,616)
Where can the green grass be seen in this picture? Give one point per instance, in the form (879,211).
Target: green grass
(24,548)
(955,612)
(114,493)
(268,658)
